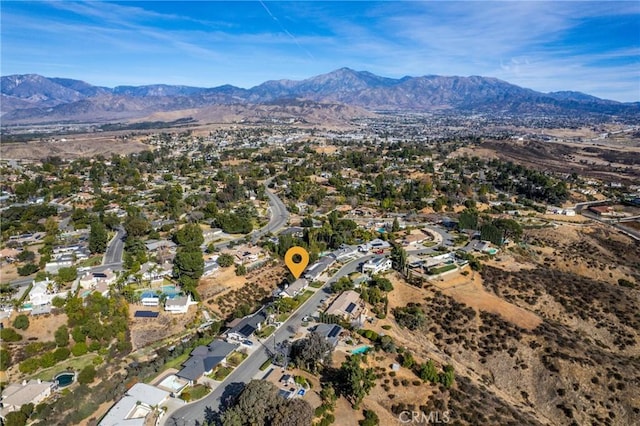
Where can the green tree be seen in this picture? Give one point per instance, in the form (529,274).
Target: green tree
(355,382)
(447,376)
(15,418)
(9,335)
(310,352)
(87,375)
(61,354)
(66,275)
(395,227)
(79,349)
(428,372)
(98,237)
(26,256)
(5,359)
(189,236)
(21,322)
(370,418)
(28,269)
(399,258)
(225,260)
(241,269)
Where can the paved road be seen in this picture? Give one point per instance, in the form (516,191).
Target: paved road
(250,367)
(279,217)
(115,248)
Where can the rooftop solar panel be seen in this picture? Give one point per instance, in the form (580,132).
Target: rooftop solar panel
(350,308)
(334,331)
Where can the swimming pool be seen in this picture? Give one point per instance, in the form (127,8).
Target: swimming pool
(360,350)
(65,378)
(492,251)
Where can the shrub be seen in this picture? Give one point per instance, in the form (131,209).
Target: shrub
(9,335)
(87,375)
(21,322)
(61,354)
(5,359)
(370,419)
(28,269)
(29,365)
(79,349)
(47,360)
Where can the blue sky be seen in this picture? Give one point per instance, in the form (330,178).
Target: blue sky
(593,47)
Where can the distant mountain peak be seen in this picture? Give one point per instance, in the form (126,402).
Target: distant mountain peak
(34,98)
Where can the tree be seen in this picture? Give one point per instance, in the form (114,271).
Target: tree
(15,418)
(255,405)
(26,256)
(21,322)
(295,412)
(411,316)
(468,219)
(344,283)
(225,260)
(370,418)
(399,258)
(61,354)
(9,335)
(28,269)
(98,237)
(5,359)
(79,349)
(66,275)
(355,381)
(447,377)
(311,351)
(395,227)
(189,236)
(428,372)
(241,269)
(87,375)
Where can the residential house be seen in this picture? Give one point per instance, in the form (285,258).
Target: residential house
(204,359)
(43,292)
(331,332)
(135,406)
(248,325)
(178,305)
(62,261)
(155,273)
(348,306)
(315,270)
(344,252)
(377,265)
(376,244)
(295,288)
(156,245)
(16,395)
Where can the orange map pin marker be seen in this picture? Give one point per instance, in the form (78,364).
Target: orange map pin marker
(296,268)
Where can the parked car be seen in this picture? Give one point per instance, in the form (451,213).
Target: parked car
(247,342)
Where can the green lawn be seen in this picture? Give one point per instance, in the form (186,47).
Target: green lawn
(92,261)
(266,331)
(75,363)
(301,298)
(316,284)
(177,362)
(265,364)
(199,392)
(220,373)
(445,268)
(236,358)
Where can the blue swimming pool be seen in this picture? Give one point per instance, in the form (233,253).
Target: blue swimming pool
(360,350)
(64,379)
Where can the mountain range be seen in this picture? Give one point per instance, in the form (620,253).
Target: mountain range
(32,98)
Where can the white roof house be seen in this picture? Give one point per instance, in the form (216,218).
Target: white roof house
(376,265)
(16,395)
(178,305)
(132,410)
(43,292)
(294,288)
